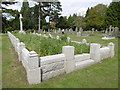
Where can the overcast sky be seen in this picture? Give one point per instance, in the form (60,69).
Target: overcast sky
(70,6)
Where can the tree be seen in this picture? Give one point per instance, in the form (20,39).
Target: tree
(112,15)
(8,24)
(53,25)
(80,22)
(25,11)
(87,12)
(62,23)
(96,16)
(48,9)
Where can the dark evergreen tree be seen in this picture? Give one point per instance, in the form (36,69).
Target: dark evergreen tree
(112,15)
(25,11)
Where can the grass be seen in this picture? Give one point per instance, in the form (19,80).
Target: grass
(47,46)
(100,75)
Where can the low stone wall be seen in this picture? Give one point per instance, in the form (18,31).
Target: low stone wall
(52,66)
(43,68)
(104,52)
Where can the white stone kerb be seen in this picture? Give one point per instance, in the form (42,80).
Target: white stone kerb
(33,54)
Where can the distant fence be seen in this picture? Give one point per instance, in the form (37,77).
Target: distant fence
(43,68)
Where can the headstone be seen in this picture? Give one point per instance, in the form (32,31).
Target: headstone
(81,30)
(34,32)
(68,39)
(59,31)
(84,41)
(57,37)
(116,32)
(76,29)
(44,31)
(93,30)
(70,31)
(106,30)
(78,34)
(110,30)
(50,35)
(55,31)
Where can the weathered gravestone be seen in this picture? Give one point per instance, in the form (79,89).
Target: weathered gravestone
(93,30)
(110,30)
(116,32)
(106,31)
(84,41)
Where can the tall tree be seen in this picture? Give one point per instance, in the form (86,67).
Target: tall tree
(96,16)
(112,14)
(62,23)
(48,9)
(25,10)
(7,13)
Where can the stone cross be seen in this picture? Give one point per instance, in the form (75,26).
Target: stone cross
(21,25)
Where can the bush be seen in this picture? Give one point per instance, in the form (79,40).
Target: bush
(8,29)
(63,37)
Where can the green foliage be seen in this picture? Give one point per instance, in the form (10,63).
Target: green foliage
(47,46)
(46,9)
(25,10)
(53,25)
(62,22)
(9,29)
(64,38)
(96,16)
(112,14)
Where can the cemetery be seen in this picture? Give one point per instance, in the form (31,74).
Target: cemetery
(77,51)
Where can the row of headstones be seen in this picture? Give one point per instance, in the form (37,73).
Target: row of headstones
(78,31)
(67,31)
(112,31)
(84,41)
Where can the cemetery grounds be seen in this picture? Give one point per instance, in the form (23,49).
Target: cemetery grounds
(100,75)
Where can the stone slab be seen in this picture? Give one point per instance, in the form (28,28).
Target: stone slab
(81,57)
(83,64)
(52,74)
(52,59)
(104,52)
(52,66)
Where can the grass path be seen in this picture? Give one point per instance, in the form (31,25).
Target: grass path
(100,75)
(13,72)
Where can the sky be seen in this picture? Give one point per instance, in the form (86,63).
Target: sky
(69,7)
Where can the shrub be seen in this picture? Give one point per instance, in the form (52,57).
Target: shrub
(8,29)
(63,37)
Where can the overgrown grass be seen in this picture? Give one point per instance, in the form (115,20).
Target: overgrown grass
(47,46)
(100,75)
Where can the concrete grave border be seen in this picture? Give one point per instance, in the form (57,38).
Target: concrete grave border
(43,68)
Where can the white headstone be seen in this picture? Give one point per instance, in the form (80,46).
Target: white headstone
(84,41)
